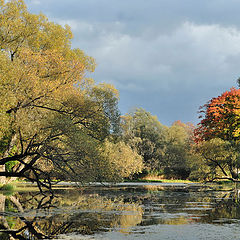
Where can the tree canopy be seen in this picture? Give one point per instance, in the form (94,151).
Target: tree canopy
(54,120)
(165,150)
(220,117)
(144,133)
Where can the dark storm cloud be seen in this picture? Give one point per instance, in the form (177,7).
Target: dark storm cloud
(168,57)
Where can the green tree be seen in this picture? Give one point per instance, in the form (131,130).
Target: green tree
(144,133)
(177,154)
(165,150)
(220,158)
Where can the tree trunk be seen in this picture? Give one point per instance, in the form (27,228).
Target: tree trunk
(6,154)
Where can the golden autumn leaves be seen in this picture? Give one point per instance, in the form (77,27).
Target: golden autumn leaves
(50,111)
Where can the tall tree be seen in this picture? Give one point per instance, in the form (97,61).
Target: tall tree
(220,129)
(51,114)
(177,154)
(146,134)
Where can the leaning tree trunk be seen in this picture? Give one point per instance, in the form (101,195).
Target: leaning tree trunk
(233,171)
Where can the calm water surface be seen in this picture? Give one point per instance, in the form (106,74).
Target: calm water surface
(124,211)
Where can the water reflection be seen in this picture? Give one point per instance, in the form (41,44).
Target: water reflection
(124,209)
(32,216)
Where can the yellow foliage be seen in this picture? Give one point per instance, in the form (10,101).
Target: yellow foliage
(47,103)
(121,159)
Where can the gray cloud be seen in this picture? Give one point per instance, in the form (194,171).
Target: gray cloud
(169,57)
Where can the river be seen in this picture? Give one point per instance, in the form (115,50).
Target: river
(121,211)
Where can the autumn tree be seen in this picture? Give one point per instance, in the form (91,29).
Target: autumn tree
(119,161)
(220,119)
(54,120)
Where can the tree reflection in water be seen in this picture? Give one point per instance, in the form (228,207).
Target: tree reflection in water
(14,223)
(33,216)
(226,209)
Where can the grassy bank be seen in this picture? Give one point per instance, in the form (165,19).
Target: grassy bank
(159,180)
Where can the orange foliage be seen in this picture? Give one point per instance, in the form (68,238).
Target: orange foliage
(221,117)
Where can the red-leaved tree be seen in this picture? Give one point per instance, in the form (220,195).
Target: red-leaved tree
(218,135)
(221,117)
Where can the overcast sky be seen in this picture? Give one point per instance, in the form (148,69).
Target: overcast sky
(166,56)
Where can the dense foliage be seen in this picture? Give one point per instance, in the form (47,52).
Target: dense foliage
(54,120)
(217,136)
(221,117)
(165,150)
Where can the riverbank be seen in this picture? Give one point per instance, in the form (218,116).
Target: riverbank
(25,185)
(161,180)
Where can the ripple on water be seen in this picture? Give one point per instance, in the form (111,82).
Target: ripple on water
(169,232)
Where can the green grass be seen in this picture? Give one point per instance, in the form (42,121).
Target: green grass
(7,189)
